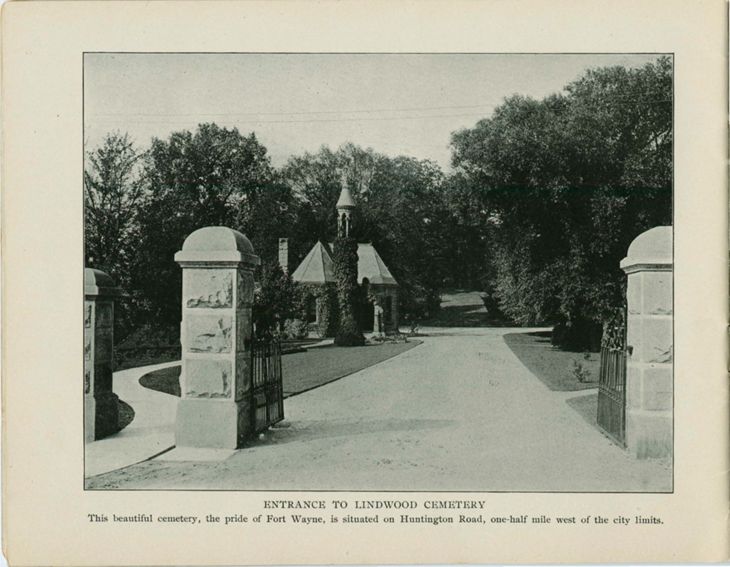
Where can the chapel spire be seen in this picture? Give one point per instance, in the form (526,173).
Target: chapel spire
(345,206)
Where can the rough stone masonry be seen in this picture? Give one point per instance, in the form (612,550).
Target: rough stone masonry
(217,297)
(649,341)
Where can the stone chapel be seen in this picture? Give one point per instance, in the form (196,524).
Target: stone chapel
(317,270)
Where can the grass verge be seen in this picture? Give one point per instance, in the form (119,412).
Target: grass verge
(556,368)
(126,415)
(302,371)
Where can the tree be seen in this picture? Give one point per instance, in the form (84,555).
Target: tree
(211,177)
(316,180)
(568,182)
(405,215)
(277,299)
(272,212)
(112,194)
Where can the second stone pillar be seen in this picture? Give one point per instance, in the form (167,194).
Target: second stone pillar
(215,334)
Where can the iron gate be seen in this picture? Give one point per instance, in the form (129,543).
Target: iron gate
(267,385)
(612,394)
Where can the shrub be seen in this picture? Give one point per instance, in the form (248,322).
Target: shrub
(325,297)
(578,335)
(147,345)
(294,329)
(581,373)
(276,300)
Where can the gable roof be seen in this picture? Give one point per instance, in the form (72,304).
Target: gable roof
(371,266)
(316,266)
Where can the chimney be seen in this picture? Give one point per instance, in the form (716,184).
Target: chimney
(284,254)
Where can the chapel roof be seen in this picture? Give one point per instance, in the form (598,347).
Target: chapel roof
(371,266)
(316,266)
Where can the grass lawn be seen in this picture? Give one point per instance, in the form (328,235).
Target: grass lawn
(166,380)
(126,414)
(554,367)
(460,308)
(132,357)
(302,371)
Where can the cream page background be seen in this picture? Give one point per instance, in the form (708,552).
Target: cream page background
(44,503)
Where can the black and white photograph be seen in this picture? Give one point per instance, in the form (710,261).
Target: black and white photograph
(374,272)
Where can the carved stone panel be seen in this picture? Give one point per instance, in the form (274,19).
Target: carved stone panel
(88,314)
(87,347)
(207,378)
(657,293)
(208,333)
(208,288)
(656,340)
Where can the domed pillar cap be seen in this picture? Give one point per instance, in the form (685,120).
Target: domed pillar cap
(216,245)
(650,251)
(98,283)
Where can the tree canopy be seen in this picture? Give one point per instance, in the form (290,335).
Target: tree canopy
(542,202)
(401,208)
(113,192)
(569,181)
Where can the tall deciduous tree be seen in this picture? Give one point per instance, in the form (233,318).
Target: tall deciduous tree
(113,192)
(113,195)
(569,181)
(211,177)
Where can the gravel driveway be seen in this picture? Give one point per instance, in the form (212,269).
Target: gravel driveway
(459,412)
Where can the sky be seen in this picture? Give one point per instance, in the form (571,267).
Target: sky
(397,104)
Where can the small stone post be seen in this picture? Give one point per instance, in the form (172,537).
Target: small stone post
(649,341)
(215,334)
(101,405)
(378,319)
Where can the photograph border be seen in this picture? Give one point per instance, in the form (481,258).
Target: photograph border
(671,54)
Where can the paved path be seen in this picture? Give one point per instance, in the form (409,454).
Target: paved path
(459,412)
(152,430)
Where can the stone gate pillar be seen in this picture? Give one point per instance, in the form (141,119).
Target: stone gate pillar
(649,341)
(101,404)
(215,334)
